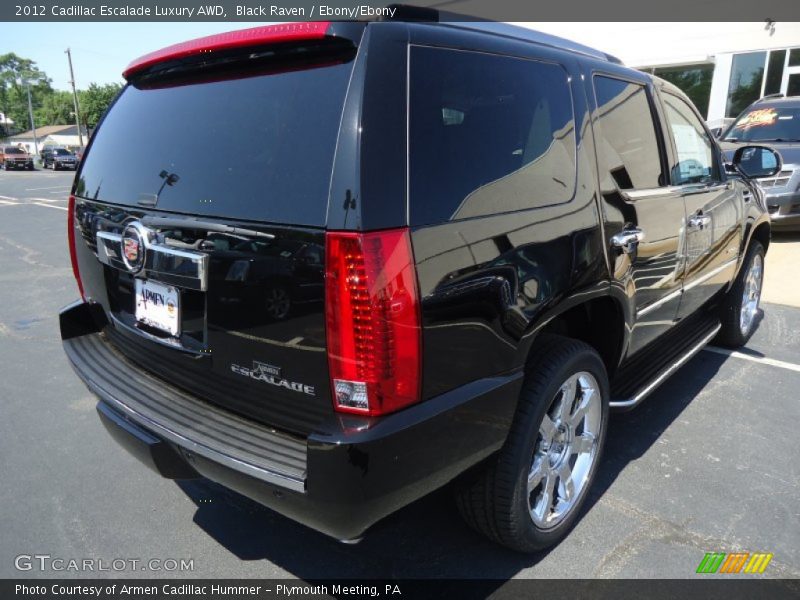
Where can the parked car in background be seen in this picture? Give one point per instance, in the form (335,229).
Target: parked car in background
(59,158)
(15,157)
(43,150)
(775,121)
(538,235)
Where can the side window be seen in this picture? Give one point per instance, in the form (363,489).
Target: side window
(487,134)
(627,147)
(695,150)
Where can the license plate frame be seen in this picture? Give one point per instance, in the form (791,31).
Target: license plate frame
(158,305)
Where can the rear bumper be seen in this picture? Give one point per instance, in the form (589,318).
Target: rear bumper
(344,477)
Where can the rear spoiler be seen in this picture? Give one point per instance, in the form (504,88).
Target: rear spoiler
(255,37)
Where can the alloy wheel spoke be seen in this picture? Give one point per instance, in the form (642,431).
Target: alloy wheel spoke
(547,429)
(583,443)
(545,501)
(587,395)
(535,475)
(566,488)
(568,392)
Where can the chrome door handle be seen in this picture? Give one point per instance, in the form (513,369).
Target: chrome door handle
(699,221)
(627,240)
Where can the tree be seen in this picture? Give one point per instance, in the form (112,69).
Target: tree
(50,107)
(56,108)
(15,73)
(95,101)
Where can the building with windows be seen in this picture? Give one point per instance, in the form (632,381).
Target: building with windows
(722,67)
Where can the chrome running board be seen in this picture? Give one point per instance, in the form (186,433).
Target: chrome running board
(642,393)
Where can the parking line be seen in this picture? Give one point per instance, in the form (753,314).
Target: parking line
(9,198)
(48,205)
(758,359)
(8,203)
(43,188)
(46,199)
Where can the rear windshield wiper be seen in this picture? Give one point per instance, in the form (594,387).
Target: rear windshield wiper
(178,223)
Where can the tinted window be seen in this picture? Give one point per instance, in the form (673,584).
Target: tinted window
(772,85)
(255,147)
(488,134)
(793,85)
(747,71)
(627,146)
(695,150)
(13,150)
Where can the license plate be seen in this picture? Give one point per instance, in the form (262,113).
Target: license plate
(158,305)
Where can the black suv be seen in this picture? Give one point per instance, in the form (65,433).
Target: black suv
(773,120)
(58,158)
(488,237)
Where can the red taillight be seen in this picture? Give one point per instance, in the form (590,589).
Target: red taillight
(72,248)
(270,34)
(373,322)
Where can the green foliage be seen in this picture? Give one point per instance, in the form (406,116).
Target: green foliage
(50,107)
(95,100)
(55,109)
(15,74)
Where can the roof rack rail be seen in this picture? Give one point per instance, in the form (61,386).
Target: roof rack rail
(419,14)
(424,14)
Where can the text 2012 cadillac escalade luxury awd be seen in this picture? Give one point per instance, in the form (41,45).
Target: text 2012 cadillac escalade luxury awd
(429,253)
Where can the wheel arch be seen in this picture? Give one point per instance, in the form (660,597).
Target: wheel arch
(601,322)
(759,230)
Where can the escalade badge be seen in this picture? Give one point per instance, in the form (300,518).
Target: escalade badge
(272,375)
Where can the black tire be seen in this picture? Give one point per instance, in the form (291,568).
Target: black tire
(495,500)
(733,333)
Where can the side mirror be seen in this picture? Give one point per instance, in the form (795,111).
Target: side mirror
(757,161)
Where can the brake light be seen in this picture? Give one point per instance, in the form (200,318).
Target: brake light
(257,36)
(72,248)
(373,322)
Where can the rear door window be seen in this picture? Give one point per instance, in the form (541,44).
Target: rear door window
(253,146)
(487,134)
(627,146)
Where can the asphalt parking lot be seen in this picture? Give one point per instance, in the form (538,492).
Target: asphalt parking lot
(708,464)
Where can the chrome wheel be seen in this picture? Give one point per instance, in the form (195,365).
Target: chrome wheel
(565,450)
(278,303)
(751,294)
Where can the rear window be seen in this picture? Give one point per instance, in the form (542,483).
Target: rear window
(13,150)
(256,147)
(488,134)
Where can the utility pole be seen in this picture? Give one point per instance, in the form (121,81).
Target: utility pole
(74,96)
(30,115)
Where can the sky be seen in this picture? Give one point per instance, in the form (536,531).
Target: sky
(100,51)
